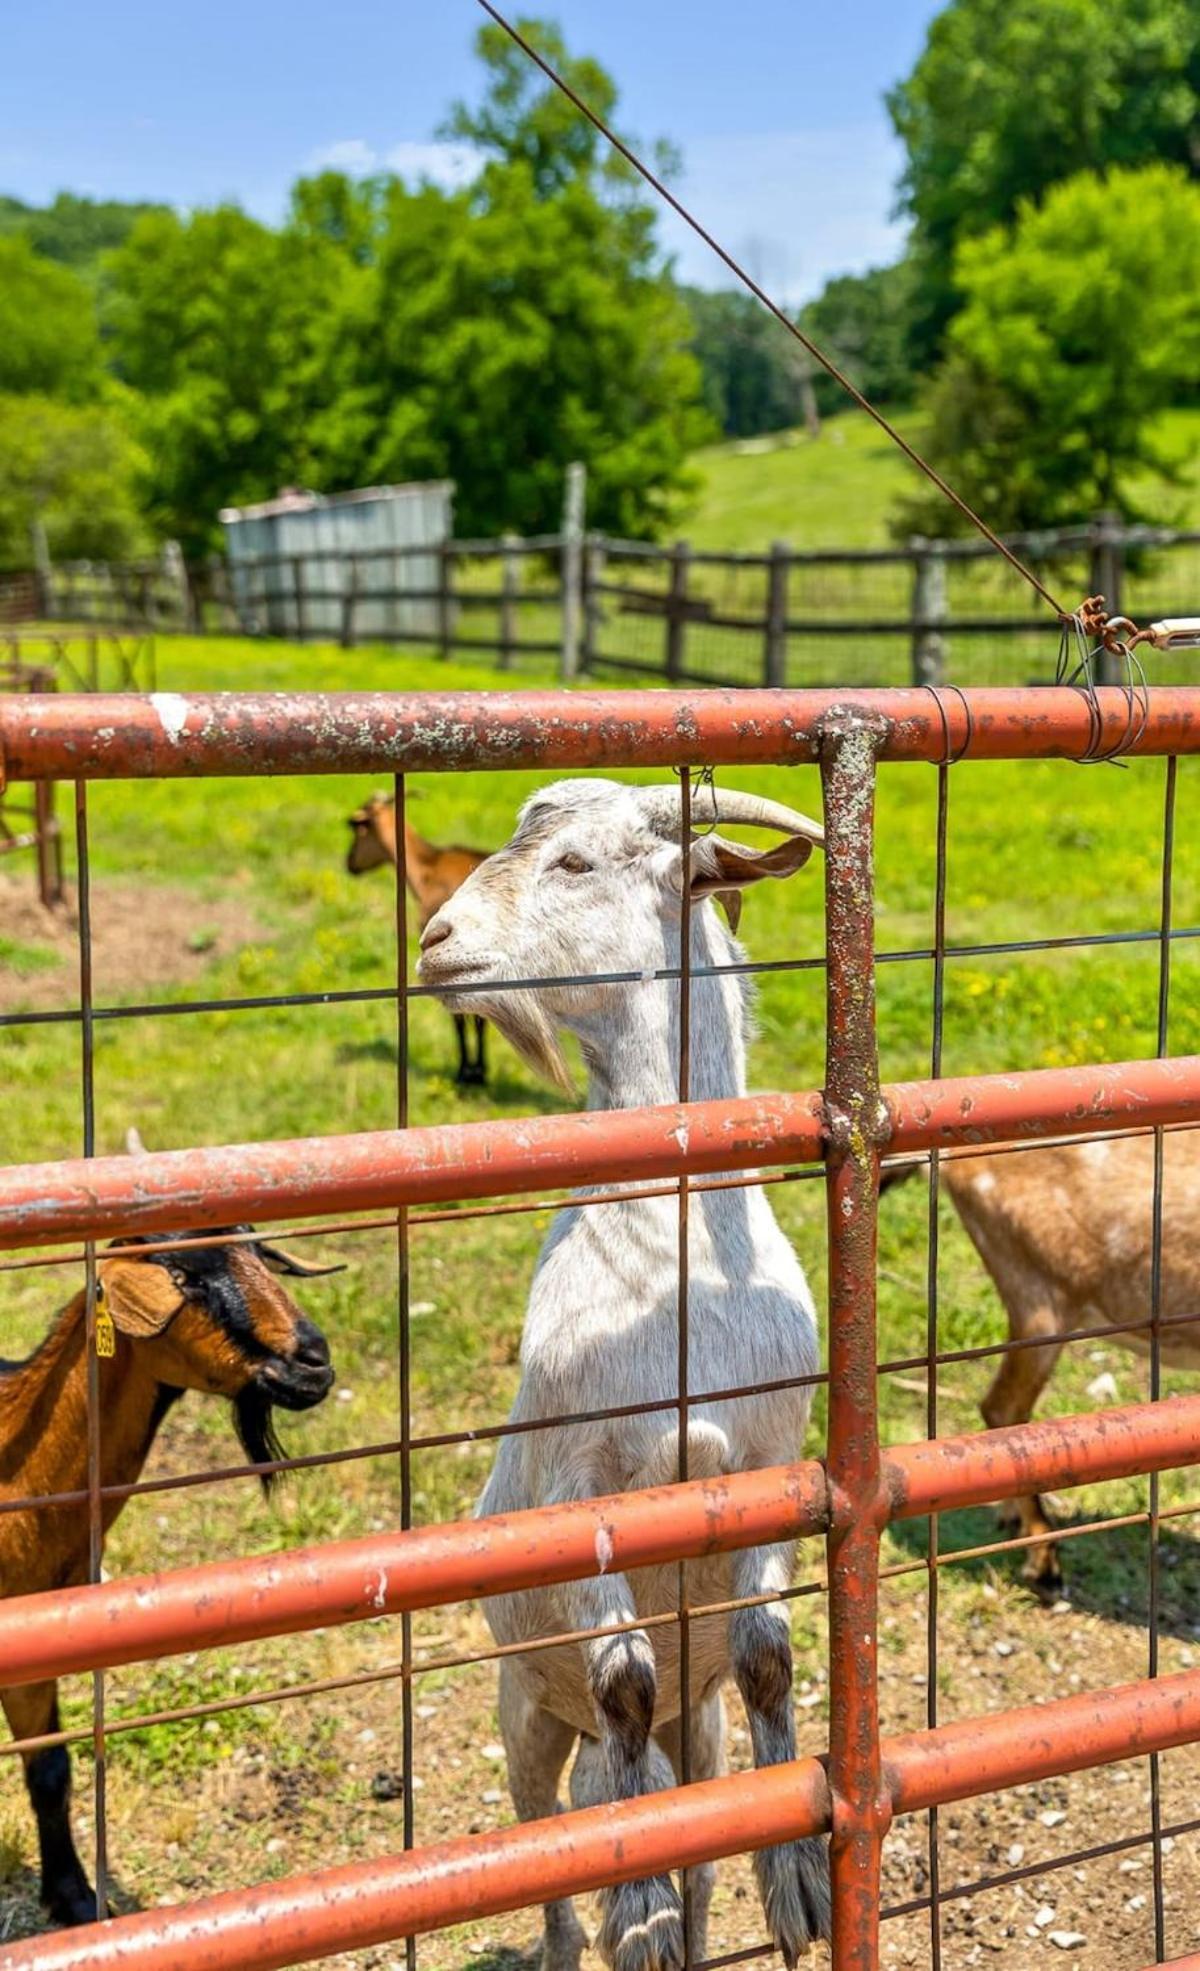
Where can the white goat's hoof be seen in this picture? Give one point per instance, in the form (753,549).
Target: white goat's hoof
(642,1928)
(563,1944)
(793,1881)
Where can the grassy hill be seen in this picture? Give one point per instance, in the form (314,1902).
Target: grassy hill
(839,490)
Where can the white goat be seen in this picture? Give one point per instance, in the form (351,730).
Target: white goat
(592,882)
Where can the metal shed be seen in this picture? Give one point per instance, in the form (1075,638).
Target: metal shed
(293,559)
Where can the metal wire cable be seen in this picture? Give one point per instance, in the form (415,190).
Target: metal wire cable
(827,364)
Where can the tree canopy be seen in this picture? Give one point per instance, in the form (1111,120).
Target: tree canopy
(394,331)
(1009,97)
(1076,329)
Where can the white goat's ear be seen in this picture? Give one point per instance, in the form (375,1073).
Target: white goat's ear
(721,868)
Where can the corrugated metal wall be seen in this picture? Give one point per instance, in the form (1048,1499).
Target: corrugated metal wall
(291,559)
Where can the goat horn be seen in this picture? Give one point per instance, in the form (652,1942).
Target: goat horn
(728,804)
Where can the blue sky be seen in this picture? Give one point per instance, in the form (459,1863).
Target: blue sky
(776,105)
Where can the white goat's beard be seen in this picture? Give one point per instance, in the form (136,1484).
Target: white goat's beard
(526,1025)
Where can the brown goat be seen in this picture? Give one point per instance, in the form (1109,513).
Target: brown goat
(433,874)
(185,1317)
(1067,1235)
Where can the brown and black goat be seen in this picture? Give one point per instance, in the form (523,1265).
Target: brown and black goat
(433,874)
(184,1316)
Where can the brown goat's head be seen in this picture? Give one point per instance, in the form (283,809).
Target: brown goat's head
(373,827)
(217,1319)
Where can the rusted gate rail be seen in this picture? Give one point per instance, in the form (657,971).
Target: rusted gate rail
(849,1497)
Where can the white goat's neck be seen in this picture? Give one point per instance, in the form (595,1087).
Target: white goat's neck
(631,1044)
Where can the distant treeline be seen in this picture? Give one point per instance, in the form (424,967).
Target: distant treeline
(155,367)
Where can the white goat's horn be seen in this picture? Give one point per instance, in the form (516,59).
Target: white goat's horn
(728,804)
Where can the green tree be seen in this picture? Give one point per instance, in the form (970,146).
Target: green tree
(74,467)
(524,119)
(243,345)
(862,321)
(1078,325)
(75,231)
(1011,96)
(518,332)
(48,337)
(751,380)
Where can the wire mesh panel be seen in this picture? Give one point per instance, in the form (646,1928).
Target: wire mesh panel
(962,1796)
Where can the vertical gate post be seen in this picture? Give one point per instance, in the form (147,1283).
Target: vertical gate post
(775,644)
(857,1127)
(572,568)
(928,612)
(681,555)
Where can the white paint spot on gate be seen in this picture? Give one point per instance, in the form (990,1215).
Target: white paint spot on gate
(377,1596)
(172,713)
(604,1548)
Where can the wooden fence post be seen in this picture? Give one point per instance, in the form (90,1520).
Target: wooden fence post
(349,600)
(572,568)
(1106,578)
(677,597)
(593,575)
(775,643)
(445,600)
(508,599)
(928,612)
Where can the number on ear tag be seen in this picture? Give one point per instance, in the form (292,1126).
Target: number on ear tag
(106,1333)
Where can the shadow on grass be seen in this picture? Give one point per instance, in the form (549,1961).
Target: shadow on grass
(22,1913)
(1107,1572)
(501,1090)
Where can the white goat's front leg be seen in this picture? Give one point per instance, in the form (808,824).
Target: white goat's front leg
(641,1925)
(538,1745)
(793,1879)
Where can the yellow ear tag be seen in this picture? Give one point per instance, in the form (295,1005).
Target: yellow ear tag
(106,1333)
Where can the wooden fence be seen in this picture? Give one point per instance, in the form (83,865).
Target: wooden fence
(929,611)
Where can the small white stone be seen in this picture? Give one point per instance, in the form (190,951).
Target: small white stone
(419,1307)
(1067,1939)
(1003,1648)
(1168,1843)
(427,1710)
(1045,1915)
(492,1797)
(1061,1607)
(1103,1389)
(366,1737)
(276,1846)
(492,1750)
(1053,1817)
(345,1396)
(1016,1854)
(1135,1903)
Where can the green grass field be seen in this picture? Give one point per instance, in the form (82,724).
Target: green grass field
(838,490)
(1034,850)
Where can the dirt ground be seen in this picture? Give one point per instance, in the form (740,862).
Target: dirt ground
(146,937)
(329,1795)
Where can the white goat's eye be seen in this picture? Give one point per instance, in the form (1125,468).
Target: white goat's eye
(575,865)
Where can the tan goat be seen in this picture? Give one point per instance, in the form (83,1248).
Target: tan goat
(1067,1235)
(432,874)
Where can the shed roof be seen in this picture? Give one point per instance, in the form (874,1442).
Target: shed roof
(295,499)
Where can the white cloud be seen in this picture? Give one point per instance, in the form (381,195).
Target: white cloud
(449,165)
(350,154)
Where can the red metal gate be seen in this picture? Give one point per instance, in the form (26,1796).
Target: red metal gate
(848,1498)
